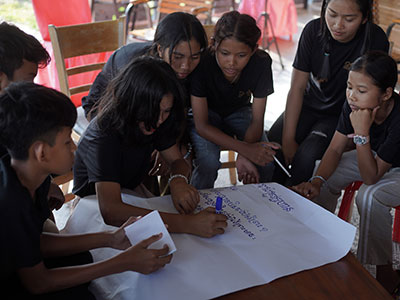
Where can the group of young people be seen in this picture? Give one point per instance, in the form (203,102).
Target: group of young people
(186,100)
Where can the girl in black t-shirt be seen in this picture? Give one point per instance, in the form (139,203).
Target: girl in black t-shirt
(370,124)
(326,49)
(141,111)
(229,75)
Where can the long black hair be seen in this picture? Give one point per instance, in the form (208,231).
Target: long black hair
(365,7)
(175,28)
(134,96)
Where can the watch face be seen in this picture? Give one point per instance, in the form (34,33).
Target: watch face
(359,140)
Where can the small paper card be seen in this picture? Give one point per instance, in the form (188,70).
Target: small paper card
(147,226)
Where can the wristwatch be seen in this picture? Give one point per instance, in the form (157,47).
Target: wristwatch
(360,139)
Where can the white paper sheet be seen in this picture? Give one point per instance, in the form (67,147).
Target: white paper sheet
(147,226)
(272,232)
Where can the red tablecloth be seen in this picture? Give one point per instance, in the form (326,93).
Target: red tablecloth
(282,13)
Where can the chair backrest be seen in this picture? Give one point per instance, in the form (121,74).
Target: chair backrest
(60,13)
(170,6)
(81,40)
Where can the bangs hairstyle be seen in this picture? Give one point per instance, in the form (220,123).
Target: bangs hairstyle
(30,113)
(134,96)
(175,28)
(380,67)
(15,46)
(242,27)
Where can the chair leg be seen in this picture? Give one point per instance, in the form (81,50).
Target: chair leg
(396,226)
(346,207)
(232,171)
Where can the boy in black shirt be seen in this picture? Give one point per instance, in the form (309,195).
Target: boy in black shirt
(35,127)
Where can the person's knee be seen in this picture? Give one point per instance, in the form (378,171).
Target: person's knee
(315,144)
(362,194)
(207,163)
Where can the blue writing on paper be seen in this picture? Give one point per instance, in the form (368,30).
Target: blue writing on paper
(269,192)
(210,199)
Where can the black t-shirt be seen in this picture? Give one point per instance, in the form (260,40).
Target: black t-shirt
(117,61)
(105,156)
(328,97)
(224,97)
(21,221)
(384,138)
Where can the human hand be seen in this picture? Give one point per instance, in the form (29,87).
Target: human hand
(247,171)
(55,197)
(140,259)
(261,153)
(307,189)
(160,167)
(118,238)
(362,119)
(289,149)
(184,196)
(207,223)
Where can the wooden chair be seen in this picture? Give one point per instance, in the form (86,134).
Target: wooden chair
(64,182)
(200,8)
(82,40)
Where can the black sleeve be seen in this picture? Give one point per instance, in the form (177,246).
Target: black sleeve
(264,86)
(344,124)
(379,39)
(103,159)
(99,85)
(117,61)
(303,58)
(198,80)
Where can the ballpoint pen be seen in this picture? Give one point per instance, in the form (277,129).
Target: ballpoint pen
(282,167)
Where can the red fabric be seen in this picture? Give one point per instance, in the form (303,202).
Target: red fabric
(347,200)
(61,13)
(396,226)
(283,14)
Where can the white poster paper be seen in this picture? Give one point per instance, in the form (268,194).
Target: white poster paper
(147,226)
(272,232)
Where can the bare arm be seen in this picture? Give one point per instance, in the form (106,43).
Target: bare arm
(328,165)
(255,152)
(38,279)
(371,169)
(184,196)
(205,223)
(294,104)
(256,127)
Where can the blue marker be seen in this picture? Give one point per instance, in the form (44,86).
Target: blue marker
(218,205)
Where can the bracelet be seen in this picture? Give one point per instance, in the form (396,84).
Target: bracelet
(177,176)
(318,177)
(189,151)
